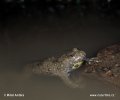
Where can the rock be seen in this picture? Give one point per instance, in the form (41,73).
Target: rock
(106,63)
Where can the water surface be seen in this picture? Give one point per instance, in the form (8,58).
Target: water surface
(26,40)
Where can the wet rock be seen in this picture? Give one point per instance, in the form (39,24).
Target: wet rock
(106,63)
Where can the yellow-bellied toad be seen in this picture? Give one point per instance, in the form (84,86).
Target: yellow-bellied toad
(61,66)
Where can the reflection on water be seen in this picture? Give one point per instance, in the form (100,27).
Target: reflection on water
(50,88)
(31,40)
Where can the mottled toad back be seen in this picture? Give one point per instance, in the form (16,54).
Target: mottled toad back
(61,66)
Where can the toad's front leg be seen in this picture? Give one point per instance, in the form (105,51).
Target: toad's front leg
(68,81)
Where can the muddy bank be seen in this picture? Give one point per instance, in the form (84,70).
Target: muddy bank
(106,64)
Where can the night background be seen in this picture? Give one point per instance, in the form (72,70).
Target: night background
(31,30)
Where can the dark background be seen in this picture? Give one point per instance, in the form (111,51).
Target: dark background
(33,30)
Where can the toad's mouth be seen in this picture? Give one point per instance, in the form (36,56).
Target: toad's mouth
(76,65)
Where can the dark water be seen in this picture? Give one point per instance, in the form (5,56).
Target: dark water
(26,40)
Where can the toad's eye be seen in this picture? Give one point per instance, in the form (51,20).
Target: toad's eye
(82,53)
(77,65)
